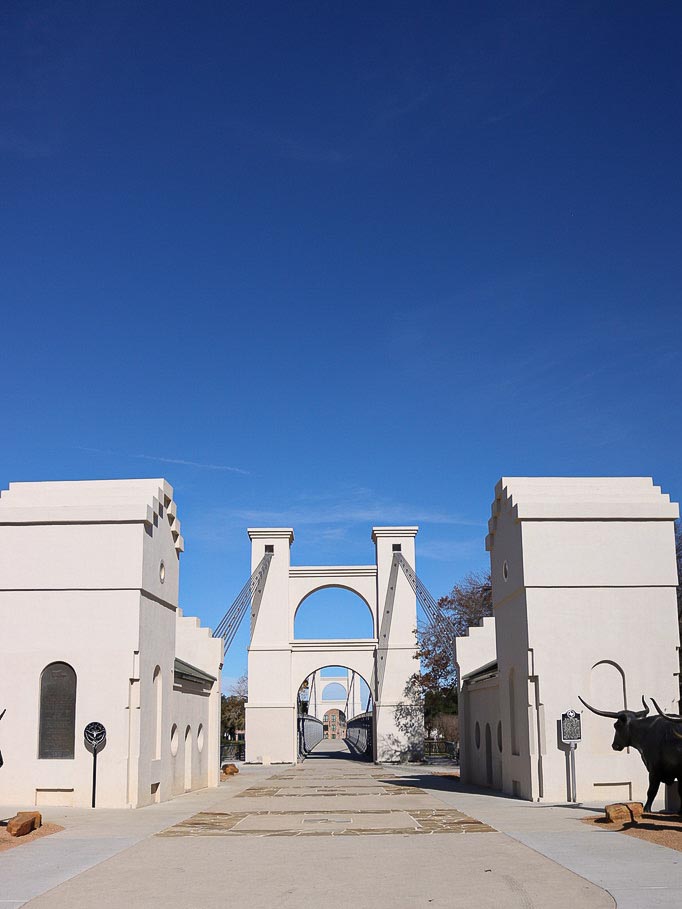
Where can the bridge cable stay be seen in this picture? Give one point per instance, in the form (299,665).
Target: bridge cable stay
(377,681)
(250,592)
(312,690)
(437,619)
(350,688)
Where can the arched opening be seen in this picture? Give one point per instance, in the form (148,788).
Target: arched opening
(157,705)
(334,691)
(512,713)
(57,723)
(488,756)
(333,613)
(335,716)
(188,759)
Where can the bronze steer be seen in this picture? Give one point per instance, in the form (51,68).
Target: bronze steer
(656,740)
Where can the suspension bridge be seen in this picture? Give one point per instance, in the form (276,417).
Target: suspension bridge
(270,586)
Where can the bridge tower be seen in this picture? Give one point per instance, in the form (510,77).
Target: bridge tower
(278,664)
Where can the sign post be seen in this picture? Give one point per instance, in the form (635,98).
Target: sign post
(571,734)
(95,735)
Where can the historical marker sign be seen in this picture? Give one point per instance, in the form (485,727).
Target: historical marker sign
(94,734)
(570,727)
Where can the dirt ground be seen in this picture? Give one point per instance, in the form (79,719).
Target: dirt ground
(9,842)
(662,829)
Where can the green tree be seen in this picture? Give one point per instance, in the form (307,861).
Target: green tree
(232,712)
(435,685)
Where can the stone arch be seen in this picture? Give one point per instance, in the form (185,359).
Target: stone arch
(317,588)
(333,695)
(307,661)
(354,699)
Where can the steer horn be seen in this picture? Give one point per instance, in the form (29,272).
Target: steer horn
(642,713)
(608,713)
(673,717)
(614,716)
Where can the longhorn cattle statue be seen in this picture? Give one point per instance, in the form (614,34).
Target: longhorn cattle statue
(656,740)
(671,718)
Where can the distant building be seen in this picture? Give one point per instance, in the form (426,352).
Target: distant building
(334,724)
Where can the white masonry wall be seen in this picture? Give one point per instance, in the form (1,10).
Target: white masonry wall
(584,577)
(81,582)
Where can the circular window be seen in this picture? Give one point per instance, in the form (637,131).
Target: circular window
(175,739)
(200,737)
(162,572)
(477,735)
(499,735)
(505,570)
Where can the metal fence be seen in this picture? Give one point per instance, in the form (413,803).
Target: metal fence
(232,751)
(310,733)
(359,735)
(441,748)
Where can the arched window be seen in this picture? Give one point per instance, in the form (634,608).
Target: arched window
(157,695)
(188,759)
(512,713)
(57,724)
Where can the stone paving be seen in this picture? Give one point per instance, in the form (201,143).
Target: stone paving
(326,823)
(389,836)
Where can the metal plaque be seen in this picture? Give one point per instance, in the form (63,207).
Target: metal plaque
(57,733)
(570,727)
(95,734)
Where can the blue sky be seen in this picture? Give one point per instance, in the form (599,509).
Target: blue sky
(329,265)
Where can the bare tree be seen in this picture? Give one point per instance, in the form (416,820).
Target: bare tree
(467,604)
(240,688)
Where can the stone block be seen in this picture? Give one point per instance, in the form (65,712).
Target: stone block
(24,822)
(624,812)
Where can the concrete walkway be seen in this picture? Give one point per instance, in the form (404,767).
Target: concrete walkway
(282,837)
(372,836)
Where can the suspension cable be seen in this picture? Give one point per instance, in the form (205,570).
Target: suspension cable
(230,622)
(350,688)
(437,619)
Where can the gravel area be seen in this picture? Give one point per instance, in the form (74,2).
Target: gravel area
(662,829)
(9,842)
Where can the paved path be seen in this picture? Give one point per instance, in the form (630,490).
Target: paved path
(282,837)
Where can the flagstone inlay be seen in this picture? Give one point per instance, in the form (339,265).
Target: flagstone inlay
(320,823)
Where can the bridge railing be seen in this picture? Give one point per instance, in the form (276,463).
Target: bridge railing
(359,735)
(310,733)
(232,751)
(441,748)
